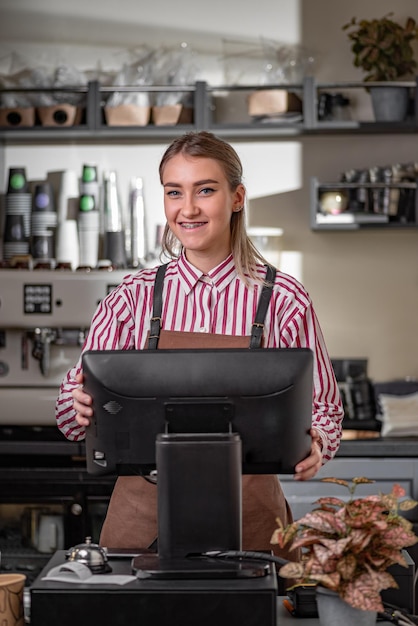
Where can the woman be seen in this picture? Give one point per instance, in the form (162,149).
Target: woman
(209,295)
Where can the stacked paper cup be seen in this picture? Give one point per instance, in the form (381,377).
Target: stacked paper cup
(90,183)
(68,196)
(67,245)
(18,206)
(114,236)
(90,196)
(88,232)
(44,223)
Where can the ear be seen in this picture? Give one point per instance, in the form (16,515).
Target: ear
(239,198)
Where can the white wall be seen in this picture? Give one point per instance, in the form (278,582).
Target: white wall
(364,285)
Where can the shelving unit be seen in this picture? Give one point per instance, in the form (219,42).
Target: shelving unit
(94,129)
(354,220)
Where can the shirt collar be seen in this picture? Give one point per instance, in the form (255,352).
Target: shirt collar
(220,276)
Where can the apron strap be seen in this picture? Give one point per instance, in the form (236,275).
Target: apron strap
(258,324)
(155,325)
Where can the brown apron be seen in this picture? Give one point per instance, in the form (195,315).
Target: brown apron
(131,520)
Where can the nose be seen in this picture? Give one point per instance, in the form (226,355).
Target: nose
(190,207)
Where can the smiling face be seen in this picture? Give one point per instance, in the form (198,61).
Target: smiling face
(198,204)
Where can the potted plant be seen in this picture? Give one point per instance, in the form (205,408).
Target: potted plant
(349,544)
(383,49)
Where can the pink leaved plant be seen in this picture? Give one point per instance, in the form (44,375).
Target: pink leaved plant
(348,545)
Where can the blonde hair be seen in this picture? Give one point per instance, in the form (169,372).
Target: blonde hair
(207,145)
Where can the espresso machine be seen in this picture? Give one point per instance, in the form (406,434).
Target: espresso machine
(47,499)
(44,318)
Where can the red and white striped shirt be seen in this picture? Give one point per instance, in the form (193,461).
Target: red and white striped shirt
(217,302)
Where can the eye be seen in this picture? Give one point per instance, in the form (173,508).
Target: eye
(205,191)
(173,193)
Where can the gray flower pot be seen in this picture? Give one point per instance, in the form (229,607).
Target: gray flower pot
(333,611)
(390,104)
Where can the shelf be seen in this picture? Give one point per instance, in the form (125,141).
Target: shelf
(356,220)
(95,129)
(363,128)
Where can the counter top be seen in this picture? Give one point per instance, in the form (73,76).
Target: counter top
(379,447)
(48,441)
(57,445)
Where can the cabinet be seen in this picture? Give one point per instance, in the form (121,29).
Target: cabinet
(41,473)
(386,461)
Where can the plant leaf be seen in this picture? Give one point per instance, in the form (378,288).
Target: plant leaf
(362,480)
(407,505)
(292,570)
(324,521)
(336,481)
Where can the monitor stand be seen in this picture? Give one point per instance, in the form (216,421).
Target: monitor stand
(199,508)
(196,568)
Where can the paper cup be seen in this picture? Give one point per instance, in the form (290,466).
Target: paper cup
(114,245)
(11,599)
(18,182)
(68,196)
(42,246)
(43,198)
(14,229)
(67,245)
(89,248)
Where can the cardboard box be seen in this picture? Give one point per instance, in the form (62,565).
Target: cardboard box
(127,115)
(17,117)
(265,102)
(170,115)
(60,115)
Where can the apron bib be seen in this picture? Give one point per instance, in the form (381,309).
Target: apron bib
(131,520)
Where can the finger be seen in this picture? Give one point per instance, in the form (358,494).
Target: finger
(82,409)
(80,396)
(309,466)
(81,420)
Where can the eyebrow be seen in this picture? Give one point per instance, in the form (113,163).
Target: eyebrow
(207,181)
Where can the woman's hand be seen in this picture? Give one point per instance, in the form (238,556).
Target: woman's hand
(82,403)
(312,464)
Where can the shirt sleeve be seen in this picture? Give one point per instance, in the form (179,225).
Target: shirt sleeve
(112,328)
(303,330)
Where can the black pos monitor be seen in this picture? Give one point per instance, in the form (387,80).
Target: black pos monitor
(198,420)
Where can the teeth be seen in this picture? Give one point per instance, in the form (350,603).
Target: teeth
(194,225)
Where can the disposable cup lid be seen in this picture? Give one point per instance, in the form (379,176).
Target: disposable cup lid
(87,203)
(89,173)
(17,182)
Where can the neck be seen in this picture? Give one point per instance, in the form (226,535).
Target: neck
(204,263)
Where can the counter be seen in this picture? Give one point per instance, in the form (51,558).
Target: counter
(175,595)
(379,447)
(44,469)
(248,602)
(384,460)
(48,440)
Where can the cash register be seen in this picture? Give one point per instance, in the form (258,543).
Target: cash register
(155,413)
